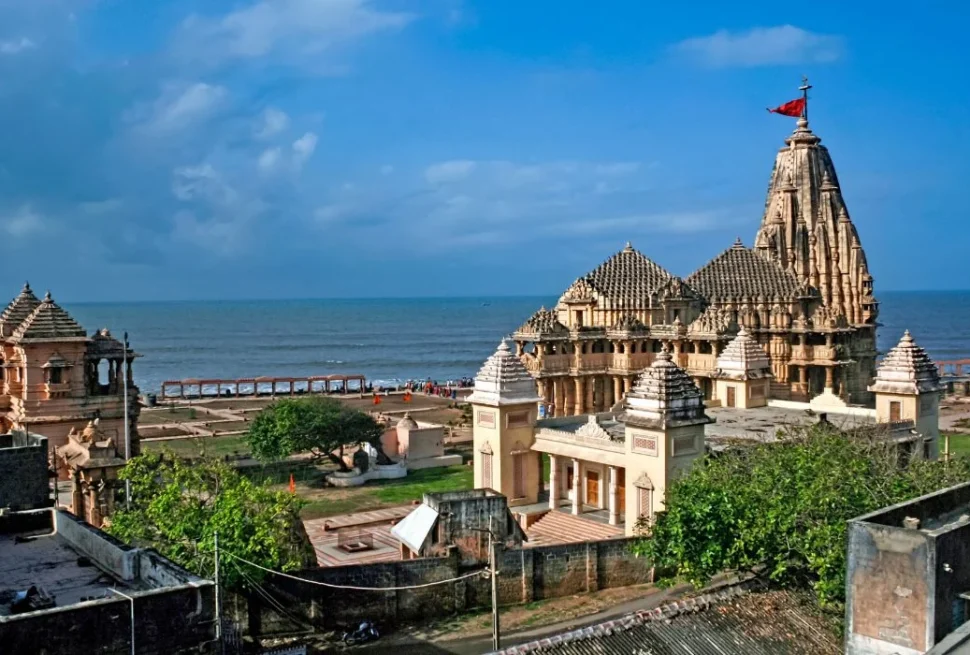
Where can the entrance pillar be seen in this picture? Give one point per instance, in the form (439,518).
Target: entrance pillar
(577,486)
(553,482)
(580,404)
(614,511)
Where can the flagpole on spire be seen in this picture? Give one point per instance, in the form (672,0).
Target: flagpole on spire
(804,89)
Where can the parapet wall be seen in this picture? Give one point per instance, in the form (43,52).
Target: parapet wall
(525,574)
(24,479)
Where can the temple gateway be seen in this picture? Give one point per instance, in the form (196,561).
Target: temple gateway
(803,293)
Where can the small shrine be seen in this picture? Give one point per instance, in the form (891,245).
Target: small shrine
(90,460)
(742,374)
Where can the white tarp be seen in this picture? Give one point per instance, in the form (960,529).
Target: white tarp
(414,528)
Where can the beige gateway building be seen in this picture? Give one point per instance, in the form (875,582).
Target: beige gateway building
(636,372)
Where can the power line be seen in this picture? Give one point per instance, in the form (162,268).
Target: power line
(352,587)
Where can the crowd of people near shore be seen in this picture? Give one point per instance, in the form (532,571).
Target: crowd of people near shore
(446,389)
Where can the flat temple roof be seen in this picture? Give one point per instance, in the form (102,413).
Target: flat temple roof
(48,562)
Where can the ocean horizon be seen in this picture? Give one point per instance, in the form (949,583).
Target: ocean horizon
(443,338)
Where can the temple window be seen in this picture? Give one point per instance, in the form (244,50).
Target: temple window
(612,347)
(579,318)
(54,375)
(104,372)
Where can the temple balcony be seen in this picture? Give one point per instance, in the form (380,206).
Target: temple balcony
(631,363)
(698,364)
(593,363)
(57,390)
(548,364)
(804,354)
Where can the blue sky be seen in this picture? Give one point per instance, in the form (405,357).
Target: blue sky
(345,148)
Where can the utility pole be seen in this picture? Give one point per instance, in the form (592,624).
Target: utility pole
(124,384)
(493,573)
(215,543)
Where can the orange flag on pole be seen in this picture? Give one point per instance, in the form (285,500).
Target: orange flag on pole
(407,396)
(292,484)
(377,399)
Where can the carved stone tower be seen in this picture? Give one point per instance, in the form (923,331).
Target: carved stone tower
(504,408)
(806,229)
(908,387)
(664,432)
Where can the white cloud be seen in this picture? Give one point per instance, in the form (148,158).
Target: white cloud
(298,26)
(22,222)
(269,159)
(180,106)
(202,183)
(16,46)
(761,46)
(303,149)
(449,171)
(274,122)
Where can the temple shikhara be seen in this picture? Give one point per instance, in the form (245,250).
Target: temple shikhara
(803,294)
(635,372)
(57,379)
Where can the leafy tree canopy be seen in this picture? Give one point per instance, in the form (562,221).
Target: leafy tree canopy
(177,507)
(782,508)
(318,425)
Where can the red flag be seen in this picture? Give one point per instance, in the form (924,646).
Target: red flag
(377,399)
(407,396)
(292,484)
(791,108)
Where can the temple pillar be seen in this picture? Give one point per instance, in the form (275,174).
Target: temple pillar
(617,389)
(580,391)
(627,384)
(553,482)
(607,392)
(591,395)
(77,496)
(577,487)
(614,511)
(829,378)
(558,398)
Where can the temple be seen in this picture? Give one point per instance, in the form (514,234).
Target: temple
(803,294)
(57,379)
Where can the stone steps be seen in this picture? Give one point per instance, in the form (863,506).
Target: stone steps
(562,528)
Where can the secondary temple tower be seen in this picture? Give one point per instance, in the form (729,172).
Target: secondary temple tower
(57,378)
(504,411)
(908,388)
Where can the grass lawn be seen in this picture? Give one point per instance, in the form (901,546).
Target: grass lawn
(959,444)
(192,447)
(173,415)
(228,426)
(378,494)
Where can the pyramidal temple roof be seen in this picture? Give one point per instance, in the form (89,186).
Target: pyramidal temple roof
(628,279)
(745,273)
(48,322)
(545,322)
(664,396)
(18,310)
(907,369)
(743,359)
(503,380)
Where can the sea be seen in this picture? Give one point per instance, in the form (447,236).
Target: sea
(399,339)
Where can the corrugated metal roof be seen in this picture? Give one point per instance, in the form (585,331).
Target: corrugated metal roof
(414,528)
(733,622)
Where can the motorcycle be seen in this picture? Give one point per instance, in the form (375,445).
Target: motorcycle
(365,632)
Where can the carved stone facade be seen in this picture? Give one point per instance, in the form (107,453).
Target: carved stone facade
(56,378)
(803,294)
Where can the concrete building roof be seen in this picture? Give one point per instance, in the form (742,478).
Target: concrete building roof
(503,380)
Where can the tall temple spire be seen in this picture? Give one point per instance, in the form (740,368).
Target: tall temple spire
(806,226)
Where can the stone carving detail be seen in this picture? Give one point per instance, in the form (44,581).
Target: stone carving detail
(543,322)
(580,291)
(593,430)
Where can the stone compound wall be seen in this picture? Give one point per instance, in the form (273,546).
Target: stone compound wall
(24,481)
(525,574)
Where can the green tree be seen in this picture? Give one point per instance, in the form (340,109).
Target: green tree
(781,509)
(177,507)
(318,425)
